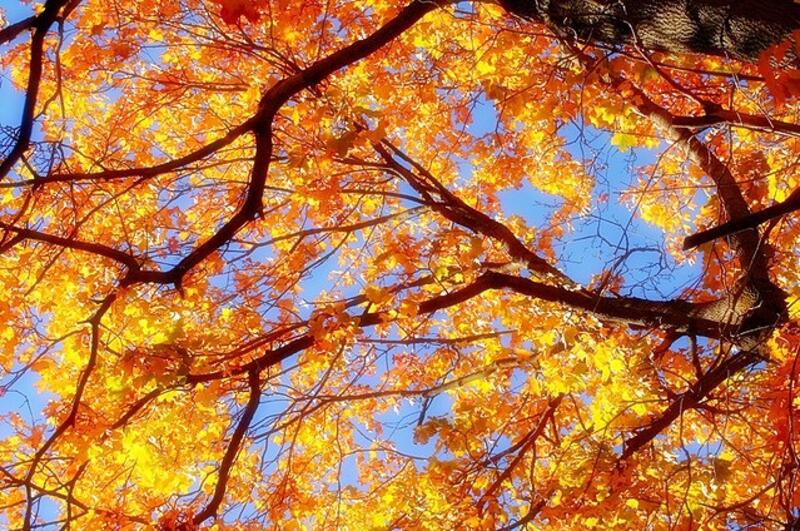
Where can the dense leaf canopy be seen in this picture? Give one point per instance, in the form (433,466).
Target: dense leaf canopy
(398,264)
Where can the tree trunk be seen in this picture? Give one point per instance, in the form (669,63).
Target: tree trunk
(741,29)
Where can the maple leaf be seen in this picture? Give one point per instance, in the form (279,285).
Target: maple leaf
(233,10)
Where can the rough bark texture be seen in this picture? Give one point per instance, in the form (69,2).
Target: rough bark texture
(737,28)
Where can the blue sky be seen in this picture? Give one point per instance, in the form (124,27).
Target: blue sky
(10,107)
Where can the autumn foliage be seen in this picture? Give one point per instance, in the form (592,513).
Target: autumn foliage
(405,264)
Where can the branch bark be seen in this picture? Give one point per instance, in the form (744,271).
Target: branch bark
(456,210)
(749,222)
(261,126)
(741,29)
(689,399)
(233,449)
(42,25)
(677,315)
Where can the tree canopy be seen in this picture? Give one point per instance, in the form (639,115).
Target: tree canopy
(399,264)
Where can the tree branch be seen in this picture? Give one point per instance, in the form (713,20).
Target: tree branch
(456,210)
(751,221)
(94,248)
(528,443)
(233,449)
(10,32)
(42,24)
(728,28)
(83,380)
(689,399)
(676,314)
(270,104)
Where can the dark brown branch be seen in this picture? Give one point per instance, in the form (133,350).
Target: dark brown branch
(751,221)
(135,408)
(456,210)
(42,24)
(734,118)
(233,449)
(10,32)
(689,399)
(159,169)
(756,297)
(531,515)
(270,104)
(94,248)
(746,245)
(677,314)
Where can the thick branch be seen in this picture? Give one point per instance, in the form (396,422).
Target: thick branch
(735,118)
(689,399)
(71,243)
(746,244)
(270,104)
(741,29)
(10,32)
(748,222)
(756,299)
(678,315)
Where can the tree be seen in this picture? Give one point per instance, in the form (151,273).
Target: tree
(362,264)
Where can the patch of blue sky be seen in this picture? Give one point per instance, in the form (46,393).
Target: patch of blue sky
(612,234)
(15,10)
(20,399)
(11,99)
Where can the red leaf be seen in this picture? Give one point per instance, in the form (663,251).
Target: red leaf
(233,10)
